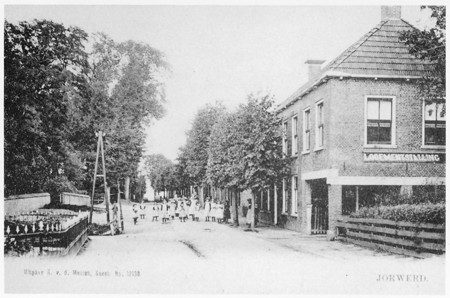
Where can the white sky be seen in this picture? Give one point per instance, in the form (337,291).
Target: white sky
(221,52)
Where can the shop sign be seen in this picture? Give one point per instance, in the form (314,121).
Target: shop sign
(405,157)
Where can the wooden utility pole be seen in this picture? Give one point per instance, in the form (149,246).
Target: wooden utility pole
(100,136)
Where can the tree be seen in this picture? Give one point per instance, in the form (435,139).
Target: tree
(45,69)
(429,45)
(245,147)
(125,94)
(195,151)
(159,169)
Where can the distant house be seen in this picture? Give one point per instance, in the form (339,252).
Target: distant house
(357,129)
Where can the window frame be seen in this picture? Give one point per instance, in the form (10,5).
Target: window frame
(285,137)
(427,146)
(393,121)
(318,126)
(306,111)
(294,202)
(294,135)
(284,199)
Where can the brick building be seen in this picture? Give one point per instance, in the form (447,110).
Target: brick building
(357,130)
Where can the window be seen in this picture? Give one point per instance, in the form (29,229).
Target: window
(294,135)
(434,124)
(294,195)
(306,130)
(285,145)
(379,121)
(285,196)
(319,117)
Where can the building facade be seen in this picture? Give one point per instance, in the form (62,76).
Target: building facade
(357,131)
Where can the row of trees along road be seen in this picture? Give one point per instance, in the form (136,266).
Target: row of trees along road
(57,95)
(242,149)
(233,150)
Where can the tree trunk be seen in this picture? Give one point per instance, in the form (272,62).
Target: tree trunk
(253,210)
(236,207)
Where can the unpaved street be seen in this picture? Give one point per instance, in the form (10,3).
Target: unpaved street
(206,257)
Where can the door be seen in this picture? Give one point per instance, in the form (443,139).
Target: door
(319,212)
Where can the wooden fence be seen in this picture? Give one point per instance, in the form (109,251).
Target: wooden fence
(47,232)
(413,239)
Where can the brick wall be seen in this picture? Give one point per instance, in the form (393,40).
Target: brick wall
(346,139)
(344,126)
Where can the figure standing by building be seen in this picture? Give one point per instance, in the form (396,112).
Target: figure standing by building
(207,208)
(135,213)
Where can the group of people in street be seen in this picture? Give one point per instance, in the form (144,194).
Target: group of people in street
(183,208)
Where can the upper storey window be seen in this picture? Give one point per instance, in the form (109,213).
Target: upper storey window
(380,127)
(434,124)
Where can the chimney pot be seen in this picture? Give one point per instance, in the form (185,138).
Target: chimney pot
(391,12)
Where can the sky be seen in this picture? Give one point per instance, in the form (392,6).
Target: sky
(221,52)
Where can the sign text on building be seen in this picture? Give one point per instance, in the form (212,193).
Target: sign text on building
(404,157)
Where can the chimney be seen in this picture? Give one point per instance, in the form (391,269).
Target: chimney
(391,12)
(314,68)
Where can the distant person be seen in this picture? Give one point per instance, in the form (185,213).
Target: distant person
(207,209)
(250,211)
(213,211)
(135,213)
(164,212)
(226,212)
(155,213)
(172,207)
(192,208)
(142,210)
(197,211)
(219,213)
(182,214)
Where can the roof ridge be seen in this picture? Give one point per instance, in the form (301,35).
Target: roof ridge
(407,23)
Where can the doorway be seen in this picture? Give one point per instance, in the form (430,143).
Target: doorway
(319,201)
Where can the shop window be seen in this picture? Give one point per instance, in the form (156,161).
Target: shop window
(375,195)
(306,130)
(379,121)
(428,193)
(434,124)
(349,199)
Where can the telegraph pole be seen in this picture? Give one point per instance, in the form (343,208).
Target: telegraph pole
(100,136)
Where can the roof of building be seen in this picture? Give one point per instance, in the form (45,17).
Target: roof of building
(377,53)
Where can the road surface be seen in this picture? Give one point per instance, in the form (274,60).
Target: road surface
(207,257)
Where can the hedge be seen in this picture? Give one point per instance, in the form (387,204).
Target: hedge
(420,213)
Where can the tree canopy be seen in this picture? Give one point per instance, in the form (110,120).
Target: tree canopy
(57,95)
(45,68)
(429,45)
(195,152)
(245,147)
